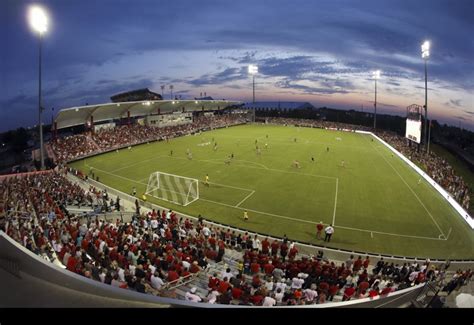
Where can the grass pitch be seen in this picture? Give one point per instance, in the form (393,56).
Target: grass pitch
(375,200)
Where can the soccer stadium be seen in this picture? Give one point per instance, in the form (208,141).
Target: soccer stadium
(150,201)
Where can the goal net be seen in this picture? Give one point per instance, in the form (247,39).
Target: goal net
(173,188)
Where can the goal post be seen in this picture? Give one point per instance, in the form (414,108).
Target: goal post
(173,188)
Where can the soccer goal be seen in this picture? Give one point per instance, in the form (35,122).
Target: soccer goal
(173,188)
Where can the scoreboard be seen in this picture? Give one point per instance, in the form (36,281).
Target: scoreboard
(413,124)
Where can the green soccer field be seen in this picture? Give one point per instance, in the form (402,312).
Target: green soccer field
(375,200)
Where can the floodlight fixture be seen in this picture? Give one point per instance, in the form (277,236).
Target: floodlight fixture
(425,50)
(38,19)
(253,69)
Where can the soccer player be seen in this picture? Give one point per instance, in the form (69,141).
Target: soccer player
(215,146)
(266,145)
(259,152)
(267,136)
(327,149)
(246,215)
(296,163)
(171,152)
(319,229)
(312,158)
(256,141)
(342,163)
(190,156)
(419,181)
(129,147)
(134,191)
(295,140)
(207,180)
(232,155)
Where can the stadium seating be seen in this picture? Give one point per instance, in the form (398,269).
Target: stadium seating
(161,254)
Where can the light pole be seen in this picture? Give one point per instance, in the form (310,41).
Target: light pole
(171,90)
(376,75)
(425,54)
(39,23)
(253,70)
(162,91)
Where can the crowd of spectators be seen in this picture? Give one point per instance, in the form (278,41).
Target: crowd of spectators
(273,274)
(157,248)
(81,145)
(73,146)
(316,124)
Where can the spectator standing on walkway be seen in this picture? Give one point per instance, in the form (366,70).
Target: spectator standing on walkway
(329,231)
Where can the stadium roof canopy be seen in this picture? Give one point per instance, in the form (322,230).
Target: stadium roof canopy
(280,105)
(135,95)
(80,115)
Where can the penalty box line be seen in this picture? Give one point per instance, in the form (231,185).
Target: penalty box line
(284,217)
(315,223)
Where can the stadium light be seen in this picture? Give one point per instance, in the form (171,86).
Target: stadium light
(171,90)
(39,23)
(376,75)
(162,93)
(425,55)
(253,70)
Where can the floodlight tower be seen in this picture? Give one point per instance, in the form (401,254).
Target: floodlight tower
(171,90)
(376,75)
(253,70)
(162,91)
(39,23)
(425,54)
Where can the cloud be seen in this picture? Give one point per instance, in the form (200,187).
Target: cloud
(227,75)
(289,84)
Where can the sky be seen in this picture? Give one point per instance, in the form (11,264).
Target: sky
(321,51)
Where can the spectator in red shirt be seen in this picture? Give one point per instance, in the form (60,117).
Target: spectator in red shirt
(348,293)
(362,288)
(387,290)
(374,292)
(236,293)
(213,282)
(357,264)
(275,247)
(268,268)
(293,252)
(172,275)
(223,286)
(265,246)
(255,267)
(366,263)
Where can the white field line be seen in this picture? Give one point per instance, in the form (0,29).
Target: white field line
(238,204)
(388,233)
(449,233)
(284,217)
(260,212)
(371,234)
(335,204)
(419,200)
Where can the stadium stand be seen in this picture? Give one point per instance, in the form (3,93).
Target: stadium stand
(82,145)
(159,253)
